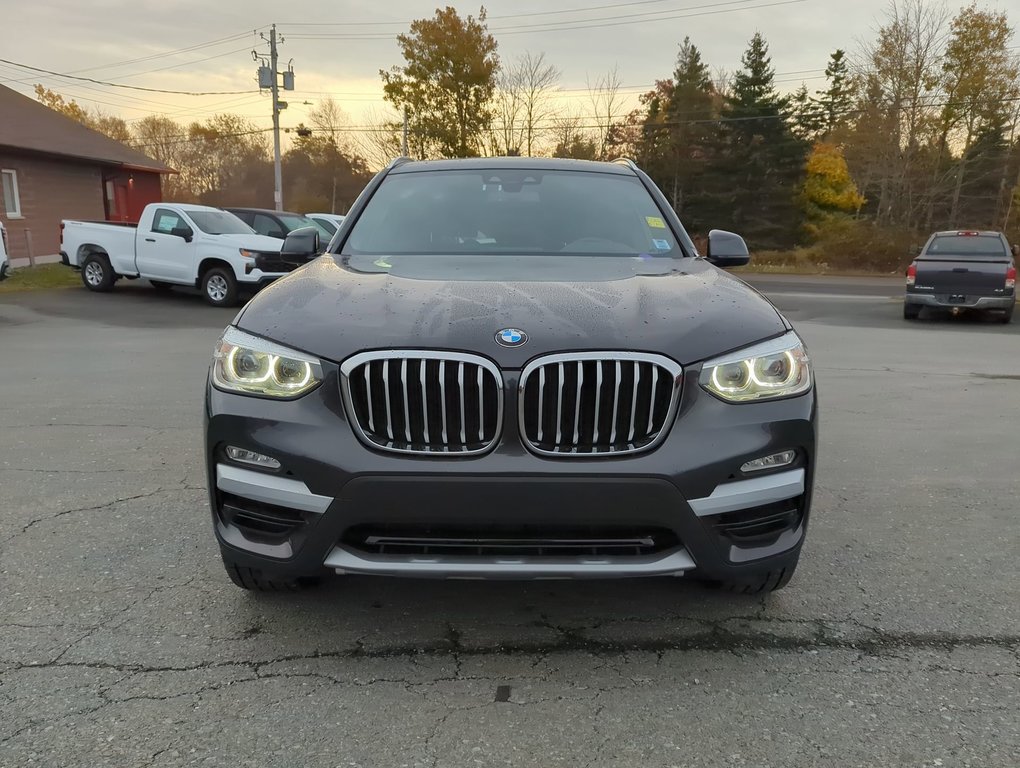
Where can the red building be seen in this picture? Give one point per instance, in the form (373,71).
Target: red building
(53,168)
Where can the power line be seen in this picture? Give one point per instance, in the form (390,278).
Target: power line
(188,49)
(586,9)
(569,25)
(123,85)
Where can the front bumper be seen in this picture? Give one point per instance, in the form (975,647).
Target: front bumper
(944,301)
(688,496)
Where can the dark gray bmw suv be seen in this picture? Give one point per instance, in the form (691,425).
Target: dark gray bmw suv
(512,368)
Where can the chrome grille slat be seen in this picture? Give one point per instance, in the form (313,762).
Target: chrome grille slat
(645,392)
(423,402)
(386,389)
(422,364)
(633,401)
(407,400)
(481,405)
(442,397)
(559,408)
(368,390)
(463,402)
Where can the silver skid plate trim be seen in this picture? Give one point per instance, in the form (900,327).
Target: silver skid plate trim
(672,563)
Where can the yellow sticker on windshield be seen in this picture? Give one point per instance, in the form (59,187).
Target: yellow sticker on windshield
(656,222)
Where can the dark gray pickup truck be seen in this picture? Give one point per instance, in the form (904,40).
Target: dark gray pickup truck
(963,270)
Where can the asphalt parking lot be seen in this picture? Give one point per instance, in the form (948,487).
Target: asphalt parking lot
(124,644)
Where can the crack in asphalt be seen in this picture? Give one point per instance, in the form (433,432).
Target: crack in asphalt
(879,645)
(96,507)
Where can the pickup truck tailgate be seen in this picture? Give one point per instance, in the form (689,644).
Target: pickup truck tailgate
(970,277)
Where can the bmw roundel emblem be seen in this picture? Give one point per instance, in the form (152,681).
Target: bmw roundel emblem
(511,337)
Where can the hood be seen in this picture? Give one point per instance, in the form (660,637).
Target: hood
(684,308)
(254,242)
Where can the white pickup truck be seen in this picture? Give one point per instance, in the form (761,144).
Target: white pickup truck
(188,245)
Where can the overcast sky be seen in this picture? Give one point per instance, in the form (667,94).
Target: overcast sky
(338,46)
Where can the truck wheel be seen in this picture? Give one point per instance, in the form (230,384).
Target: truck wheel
(219,287)
(97,274)
(1007,316)
(911,311)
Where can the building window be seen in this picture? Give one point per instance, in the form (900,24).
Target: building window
(12,201)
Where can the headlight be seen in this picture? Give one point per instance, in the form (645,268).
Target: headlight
(252,366)
(772,369)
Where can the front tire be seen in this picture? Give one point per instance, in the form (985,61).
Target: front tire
(97,274)
(219,286)
(254,580)
(767,581)
(911,311)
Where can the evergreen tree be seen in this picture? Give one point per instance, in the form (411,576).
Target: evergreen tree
(764,159)
(835,104)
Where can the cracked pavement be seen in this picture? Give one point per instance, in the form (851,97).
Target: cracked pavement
(124,644)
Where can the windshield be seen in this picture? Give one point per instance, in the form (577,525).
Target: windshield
(219,223)
(292,222)
(511,211)
(966,246)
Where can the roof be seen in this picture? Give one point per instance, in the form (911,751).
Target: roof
(971,232)
(267,211)
(620,168)
(30,126)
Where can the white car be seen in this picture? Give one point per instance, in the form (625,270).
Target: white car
(328,221)
(4,261)
(187,245)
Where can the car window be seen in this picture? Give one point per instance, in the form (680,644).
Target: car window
(967,245)
(219,223)
(264,225)
(512,211)
(166,221)
(290,223)
(327,226)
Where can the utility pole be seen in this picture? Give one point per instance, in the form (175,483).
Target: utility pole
(405,153)
(277,167)
(269,78)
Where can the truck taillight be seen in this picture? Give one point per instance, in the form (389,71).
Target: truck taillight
(1011,277)
(911,274)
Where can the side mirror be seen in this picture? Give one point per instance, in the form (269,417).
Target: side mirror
(1016,251)
(185,233)
(301,244)
(726,249)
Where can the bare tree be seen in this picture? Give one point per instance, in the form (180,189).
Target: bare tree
(330,120)
(507,133)
(607,108)
(379,141)
(903,63)
(538,82)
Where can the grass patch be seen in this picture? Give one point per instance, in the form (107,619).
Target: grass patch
(45,277)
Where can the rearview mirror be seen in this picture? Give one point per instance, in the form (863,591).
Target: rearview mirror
(301,244)
(726,249)
(185,233)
